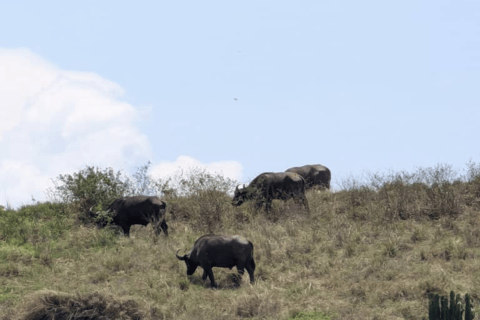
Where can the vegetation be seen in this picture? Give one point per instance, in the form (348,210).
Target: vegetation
(376,249)
(439,307)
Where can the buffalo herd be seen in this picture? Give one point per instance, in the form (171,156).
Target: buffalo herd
(224,251)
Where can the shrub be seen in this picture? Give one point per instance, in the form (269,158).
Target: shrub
(90,187)
(356,198)
(473,183)
(197,180)
(34,223)
(399,193)
(428,192)
(201,198)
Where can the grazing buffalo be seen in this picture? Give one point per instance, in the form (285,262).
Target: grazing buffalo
(220,251)
(128,211)
(268,186)
(315,175)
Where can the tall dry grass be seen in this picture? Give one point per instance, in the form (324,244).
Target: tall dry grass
(373,250)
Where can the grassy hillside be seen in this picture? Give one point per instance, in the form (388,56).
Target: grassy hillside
(373,250)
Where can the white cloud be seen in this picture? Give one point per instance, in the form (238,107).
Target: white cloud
(230,169)
(56,121)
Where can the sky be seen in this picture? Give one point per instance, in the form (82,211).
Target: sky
(235,87)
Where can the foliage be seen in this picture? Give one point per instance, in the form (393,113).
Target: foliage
(197,180)
(427,192)
(141,183)
(201,198)
(439,307)
(473,184)
(94,189)
(33,223)
(91,187)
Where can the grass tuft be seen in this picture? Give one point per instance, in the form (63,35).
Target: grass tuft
(54,305)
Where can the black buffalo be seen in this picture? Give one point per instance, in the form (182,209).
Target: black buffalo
(268,186)
(315,175)
(220,251)
(128,211)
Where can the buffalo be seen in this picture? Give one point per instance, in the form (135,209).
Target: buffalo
(128,211)
(268,186)
(315,175)
(220,251)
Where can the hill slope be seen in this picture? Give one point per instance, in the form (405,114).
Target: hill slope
(370,251)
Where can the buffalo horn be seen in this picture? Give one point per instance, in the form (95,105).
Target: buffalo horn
(179,257)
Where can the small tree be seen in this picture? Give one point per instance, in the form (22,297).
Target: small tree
(90,187)
(141,183)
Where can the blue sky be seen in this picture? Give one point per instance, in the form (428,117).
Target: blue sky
(243,87)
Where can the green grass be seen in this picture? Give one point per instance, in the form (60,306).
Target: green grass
(353,257)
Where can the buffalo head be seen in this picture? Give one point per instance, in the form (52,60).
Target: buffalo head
(100,218)
(239,196)
(191,266)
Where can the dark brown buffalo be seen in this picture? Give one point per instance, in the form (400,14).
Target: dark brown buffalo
(315,175)
(143,210)
(268,186)
(220,251)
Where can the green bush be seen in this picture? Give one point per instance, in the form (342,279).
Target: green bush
(34,223)
(93,189)
(90,188)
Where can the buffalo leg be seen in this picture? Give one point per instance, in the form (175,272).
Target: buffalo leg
(305,203)
(238,277)
(268,205)
(156,225)
(258,205)
(302,201)
(164,227)
(204,276)
(251,269)
(298,201)
(210,275)
(126,229)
